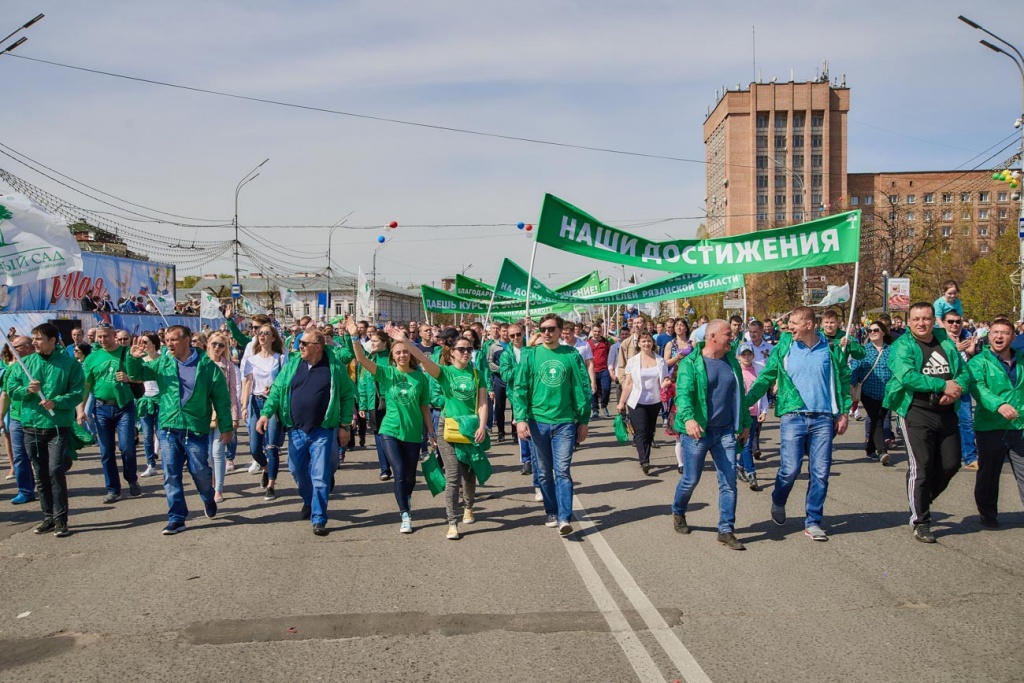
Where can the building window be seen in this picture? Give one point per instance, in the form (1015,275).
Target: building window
(816,180)
(762,161)
(817,119)
(947,230)
(911,233)
(983,248)
(798,142)
(762,121)
(854,201)
(911,216)
(780,181)
(1001,230)
(947,197)
(965,215)
(780,200)
(947,215)
(762,142)
(1001,197)
(982,214)
(815,200)
(762,200)
(927,215)
(868,200)
(780,120)
(945,248)
(929,197)
(911,198)
(815,140)
(982,231)
(780,216)
(798,200)
(965,197)
(984,197)
(816,161)
(338,309)
(762,182)
(1003,214)
(908,249)
(780,142)
(762,216)
(305,308)
(894,199)
(798,161)
(798,216)
(288,312)
(798,119)
(967,231)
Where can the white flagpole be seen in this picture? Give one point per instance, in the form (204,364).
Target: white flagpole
(495,292)
(17,357)
(853,297)
(745,318)
(529,285)
(166,324)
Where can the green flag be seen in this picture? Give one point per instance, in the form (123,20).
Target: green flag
(825,241)
(469,288)
(439,301)
(587,285)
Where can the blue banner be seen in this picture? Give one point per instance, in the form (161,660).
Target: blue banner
(100,275)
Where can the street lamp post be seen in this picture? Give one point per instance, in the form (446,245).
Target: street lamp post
(803,214)
(374,279)
(248,178)
(14,45)
(1018,61)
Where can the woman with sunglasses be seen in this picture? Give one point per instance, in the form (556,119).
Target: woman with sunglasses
(465,393)
(872,373)
(259,369)
(148,410)
(406,394)
(219,354)
(371,406)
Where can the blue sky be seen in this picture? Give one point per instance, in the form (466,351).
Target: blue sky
(635,76)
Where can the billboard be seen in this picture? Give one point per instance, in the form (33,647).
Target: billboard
(897,293)
(101,275)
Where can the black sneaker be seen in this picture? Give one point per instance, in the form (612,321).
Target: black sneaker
(680,469)
(330,489)
(757,455)
(305,513)
(270,494)
(501,438)
(874,456)
(134,490)
(646,467)
(265,479)
(45,527)
(385,476)
(173,528)
(61,530)
(923,533)
(320,529)
(679,523)
(525,469)
(730,541)
(210,509)
(989,522)
(111,498)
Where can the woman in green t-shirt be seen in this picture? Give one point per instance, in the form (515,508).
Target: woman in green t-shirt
(406,395)
(465,394)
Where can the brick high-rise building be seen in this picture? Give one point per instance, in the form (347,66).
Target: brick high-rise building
(776,155)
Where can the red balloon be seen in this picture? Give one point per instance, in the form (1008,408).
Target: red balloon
(393,224)
(529,227)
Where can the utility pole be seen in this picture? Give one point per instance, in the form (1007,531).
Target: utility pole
(246,179)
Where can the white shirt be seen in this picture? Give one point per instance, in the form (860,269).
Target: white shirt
(761,352)
(262,371)
(583,348)
(636,373)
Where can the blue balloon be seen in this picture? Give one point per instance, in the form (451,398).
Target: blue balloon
(380,239)
(520,225)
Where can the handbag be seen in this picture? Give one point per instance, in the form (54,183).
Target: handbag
(855,390)
(138,389)
(451,425)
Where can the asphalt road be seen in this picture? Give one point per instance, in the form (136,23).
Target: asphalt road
(253,595)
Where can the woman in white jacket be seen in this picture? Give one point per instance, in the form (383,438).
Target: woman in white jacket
(641,391)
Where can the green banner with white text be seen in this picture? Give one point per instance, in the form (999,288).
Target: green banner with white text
(821,242)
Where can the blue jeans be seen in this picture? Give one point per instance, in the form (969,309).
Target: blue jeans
(721,442)
(178,447)
(604,390)
(113,422)
(747,455)
(148,425)
(90,421)
(266,447)
(553,445)
(310,462)
(218,459)
(799,434)
(402,456)
(22,465)
(968,446)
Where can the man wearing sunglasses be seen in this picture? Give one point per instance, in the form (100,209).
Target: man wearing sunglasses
(313,397)
(23,476)
(551,401)
(967,347)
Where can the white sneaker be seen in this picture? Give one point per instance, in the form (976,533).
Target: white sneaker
(467,516)
(150,471)
(255,468)
(406,527)
(537,495)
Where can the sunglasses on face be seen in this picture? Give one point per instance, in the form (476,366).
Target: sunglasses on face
(549,330)
(873,330)
(955,322)
(463,349)
(218,345)
(515,335)
(303,343)
(263,333)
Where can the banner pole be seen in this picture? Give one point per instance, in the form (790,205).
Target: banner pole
(493,294)
(853,297)
(745,318)
(529,285)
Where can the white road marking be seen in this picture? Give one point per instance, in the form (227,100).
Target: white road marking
(688,667)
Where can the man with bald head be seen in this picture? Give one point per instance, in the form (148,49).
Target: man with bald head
(812,405)
(709,396)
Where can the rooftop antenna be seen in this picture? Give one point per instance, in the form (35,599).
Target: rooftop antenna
(753,50)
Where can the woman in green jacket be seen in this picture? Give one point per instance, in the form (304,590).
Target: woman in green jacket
(406,394)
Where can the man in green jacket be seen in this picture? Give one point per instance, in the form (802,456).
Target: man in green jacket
(313,397)
(928,378)
(812,403)
(114,412)
(551,406)
(191,387)
(997,375)
(53,386)
(709,410)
